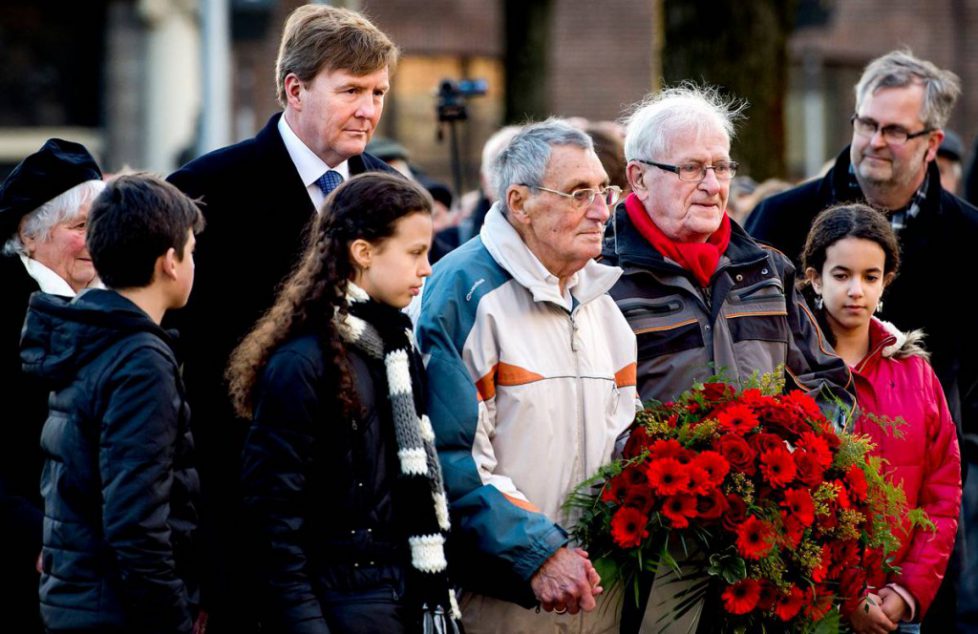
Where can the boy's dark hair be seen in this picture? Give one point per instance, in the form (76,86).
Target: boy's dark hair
(132,223)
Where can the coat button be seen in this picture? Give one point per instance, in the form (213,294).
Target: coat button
(763,271)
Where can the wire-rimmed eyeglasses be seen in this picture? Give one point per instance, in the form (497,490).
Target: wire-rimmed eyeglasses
(695,172)
(585,197)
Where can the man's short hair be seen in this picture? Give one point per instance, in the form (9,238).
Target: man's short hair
(132,223)
(653,122)
(524,161)
(898,69)
(318,37)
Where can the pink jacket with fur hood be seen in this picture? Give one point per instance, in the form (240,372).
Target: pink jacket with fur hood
(895,380)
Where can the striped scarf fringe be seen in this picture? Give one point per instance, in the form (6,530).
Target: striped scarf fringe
(384,333)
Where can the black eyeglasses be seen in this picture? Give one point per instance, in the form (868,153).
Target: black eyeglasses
(893,134)
(585,197)
(695,172)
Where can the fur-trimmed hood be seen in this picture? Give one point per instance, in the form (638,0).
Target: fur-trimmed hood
(896,343)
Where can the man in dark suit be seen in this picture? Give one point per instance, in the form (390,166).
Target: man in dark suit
(258,196)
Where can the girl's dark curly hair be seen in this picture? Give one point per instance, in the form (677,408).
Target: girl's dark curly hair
(366,207)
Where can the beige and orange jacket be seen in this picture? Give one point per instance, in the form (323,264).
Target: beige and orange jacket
(528,391)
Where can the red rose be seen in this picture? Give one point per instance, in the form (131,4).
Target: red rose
(754,538)
(714,392)
(712,505)
(786,418)
(777,467)
(741,597)
(809,471)
(765,442)
(629,527)
(715,465)
(637,441)
(667,476)
(737,452)
(789,604)
(736,513)
(738,419)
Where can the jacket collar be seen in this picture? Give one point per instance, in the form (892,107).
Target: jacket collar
(840,186)
(509,251)
(628,248)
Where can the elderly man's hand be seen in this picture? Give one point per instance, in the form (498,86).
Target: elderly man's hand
(567,582)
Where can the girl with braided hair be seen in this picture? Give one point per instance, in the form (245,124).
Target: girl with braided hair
(341,482)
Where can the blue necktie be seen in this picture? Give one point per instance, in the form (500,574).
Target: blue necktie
(329,181)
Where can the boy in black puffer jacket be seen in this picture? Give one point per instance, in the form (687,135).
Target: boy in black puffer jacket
(118,483)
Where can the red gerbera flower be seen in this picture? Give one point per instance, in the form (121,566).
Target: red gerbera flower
(754,538)
(614,489)
(715,465)
(639,497)
(789,604)
(809,470)
(857,483)
(819,603)
(629,527)
(739,419)
(668,448)
(803,402)
(778,467)
(679,509)
(698,480)
(667,476)
(766,442)
(741,597)
(768,596)
(800,505)
(818,447)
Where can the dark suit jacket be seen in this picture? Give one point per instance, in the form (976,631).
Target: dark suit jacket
(25,406)
(257,212)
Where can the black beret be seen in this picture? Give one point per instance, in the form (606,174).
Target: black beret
(51,171)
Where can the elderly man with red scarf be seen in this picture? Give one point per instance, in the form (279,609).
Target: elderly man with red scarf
(701,296)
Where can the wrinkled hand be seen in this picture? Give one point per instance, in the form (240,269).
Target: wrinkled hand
(567,581)
(894,606)
(869,617)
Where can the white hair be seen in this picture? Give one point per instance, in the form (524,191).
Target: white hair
(63,208)
(653,122)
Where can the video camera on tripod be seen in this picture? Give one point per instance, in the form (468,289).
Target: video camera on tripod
(451,107)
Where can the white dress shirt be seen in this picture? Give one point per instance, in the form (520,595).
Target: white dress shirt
(309,166)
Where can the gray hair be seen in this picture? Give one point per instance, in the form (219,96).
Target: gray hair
(64,207)
(493,146)
(653,122)
(898,69)
(524,160)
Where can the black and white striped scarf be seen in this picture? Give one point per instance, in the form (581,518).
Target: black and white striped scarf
(384,333)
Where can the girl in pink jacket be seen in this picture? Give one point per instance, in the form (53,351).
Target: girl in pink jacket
(850,257)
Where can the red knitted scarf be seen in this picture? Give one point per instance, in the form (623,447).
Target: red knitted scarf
(699,258)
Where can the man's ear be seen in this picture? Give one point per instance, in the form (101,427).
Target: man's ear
(293,91)
(516,197)
(934,144)
(636,178)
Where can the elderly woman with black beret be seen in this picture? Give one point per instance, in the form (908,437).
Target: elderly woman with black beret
(43,208)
